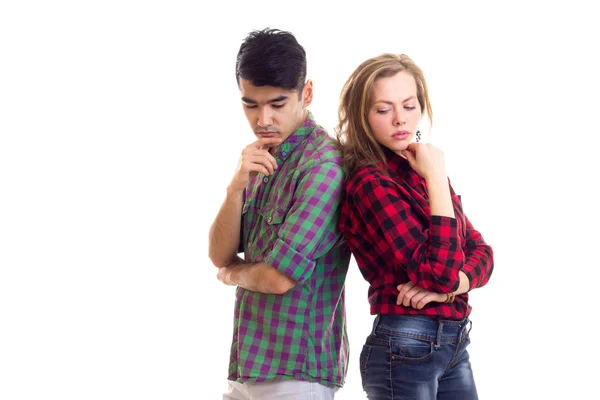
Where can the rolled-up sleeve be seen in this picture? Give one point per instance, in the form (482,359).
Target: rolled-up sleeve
(479,258)
(431,255)
(309,229)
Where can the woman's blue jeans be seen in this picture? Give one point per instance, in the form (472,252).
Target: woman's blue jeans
(417,357)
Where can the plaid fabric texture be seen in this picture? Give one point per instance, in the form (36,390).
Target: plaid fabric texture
(289,221)
(394,239)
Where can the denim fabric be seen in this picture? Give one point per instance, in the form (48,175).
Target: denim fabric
(417,357)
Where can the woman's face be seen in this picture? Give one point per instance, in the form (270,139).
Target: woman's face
(394,113)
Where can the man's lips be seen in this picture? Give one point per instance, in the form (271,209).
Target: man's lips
(266,134)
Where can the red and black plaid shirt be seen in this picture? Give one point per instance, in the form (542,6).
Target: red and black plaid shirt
(394,239)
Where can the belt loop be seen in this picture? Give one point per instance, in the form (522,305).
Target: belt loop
(464,332)
(438,337)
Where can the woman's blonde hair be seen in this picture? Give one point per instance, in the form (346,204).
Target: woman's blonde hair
(360,149)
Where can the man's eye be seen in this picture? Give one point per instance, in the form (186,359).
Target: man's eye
(249,105)
(278,105)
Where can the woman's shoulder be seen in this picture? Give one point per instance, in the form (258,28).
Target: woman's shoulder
(366,178)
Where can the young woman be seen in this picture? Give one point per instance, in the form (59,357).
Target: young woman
(409,236)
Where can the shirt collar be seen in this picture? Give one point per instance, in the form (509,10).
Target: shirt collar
(395,162)
(286,148)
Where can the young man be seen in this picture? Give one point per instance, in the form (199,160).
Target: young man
(281,211)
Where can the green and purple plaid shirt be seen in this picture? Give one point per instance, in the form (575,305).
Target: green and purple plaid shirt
(289,221)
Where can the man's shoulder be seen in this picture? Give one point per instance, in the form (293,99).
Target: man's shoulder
(321,147)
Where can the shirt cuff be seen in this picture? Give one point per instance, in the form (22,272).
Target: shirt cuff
(292,263)
(469,270)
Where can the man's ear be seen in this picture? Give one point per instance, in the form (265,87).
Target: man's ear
(307,94)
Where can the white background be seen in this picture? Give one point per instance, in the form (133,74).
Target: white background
(121,125)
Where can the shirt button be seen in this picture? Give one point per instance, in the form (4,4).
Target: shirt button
(284,153)
(265,179)
(269,219)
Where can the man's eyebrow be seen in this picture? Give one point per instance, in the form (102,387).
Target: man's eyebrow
(278,99)
(247,100)
(275,100)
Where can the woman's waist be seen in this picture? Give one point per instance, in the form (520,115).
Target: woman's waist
(419,327)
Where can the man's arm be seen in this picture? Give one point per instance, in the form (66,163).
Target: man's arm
(309,230)
(224,236)
(258,277)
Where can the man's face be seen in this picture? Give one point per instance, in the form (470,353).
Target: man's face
(273,111)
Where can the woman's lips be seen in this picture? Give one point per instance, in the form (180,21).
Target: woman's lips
(400,135)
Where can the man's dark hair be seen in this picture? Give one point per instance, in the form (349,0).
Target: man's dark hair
(271,57)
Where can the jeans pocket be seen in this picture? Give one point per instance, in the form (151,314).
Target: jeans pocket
(406,349)
(363,360)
